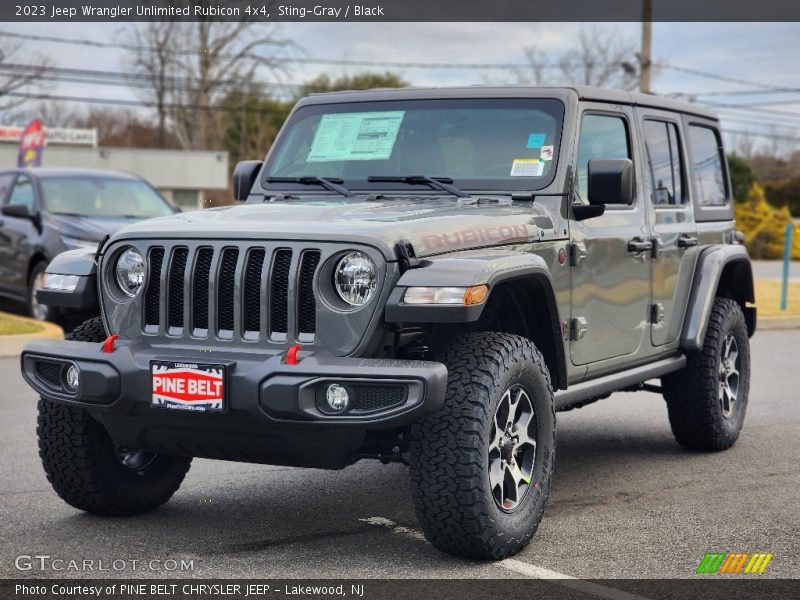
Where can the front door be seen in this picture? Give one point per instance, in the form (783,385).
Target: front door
(611,256)
(671,221)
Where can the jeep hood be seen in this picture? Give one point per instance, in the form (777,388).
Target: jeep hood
(432,225)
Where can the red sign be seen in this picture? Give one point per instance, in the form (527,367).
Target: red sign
(31,145)
(188,386)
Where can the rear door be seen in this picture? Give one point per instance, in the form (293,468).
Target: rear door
(611,272)
(671,220)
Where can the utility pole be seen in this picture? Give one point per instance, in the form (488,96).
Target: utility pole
(644,55)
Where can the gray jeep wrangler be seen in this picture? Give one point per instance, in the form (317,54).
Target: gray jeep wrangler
(419,275)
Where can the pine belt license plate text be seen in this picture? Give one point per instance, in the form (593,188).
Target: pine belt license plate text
(188,386)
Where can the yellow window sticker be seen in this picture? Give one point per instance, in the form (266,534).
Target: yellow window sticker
(527,167)
(355,136)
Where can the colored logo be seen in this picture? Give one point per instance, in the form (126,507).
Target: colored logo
(31,145)
(734,562)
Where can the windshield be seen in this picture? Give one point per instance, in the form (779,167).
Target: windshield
(103,197)
(481,144)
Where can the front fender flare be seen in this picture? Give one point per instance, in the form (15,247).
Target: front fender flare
(461,272)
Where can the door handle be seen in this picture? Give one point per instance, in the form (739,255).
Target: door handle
(638,245)
(687,241)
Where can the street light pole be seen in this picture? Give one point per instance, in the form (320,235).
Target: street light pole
(644,56)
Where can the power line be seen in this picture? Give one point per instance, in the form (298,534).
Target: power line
(735,92)
(747,109)
(144,103)
(768,103)
(770,136)
(716,76)
(95,44)
(398,64)
(120,77)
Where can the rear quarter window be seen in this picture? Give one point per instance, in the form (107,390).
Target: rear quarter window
(708,167)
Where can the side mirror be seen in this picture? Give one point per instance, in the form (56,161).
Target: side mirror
(610,181)
(244,177)
(21,211)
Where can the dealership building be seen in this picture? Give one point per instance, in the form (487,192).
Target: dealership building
(183,176)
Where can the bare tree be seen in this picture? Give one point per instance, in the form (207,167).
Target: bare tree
(154,62)
(601,58)
(15,80)
(186,68)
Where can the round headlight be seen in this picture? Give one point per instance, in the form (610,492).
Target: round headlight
(130,271)
(355,278)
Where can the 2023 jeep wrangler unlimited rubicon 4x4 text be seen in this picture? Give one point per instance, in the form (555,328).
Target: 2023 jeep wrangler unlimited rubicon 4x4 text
(418,275)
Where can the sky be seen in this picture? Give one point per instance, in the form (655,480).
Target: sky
(765,53)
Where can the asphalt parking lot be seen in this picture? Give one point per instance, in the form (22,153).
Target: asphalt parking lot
(627,501)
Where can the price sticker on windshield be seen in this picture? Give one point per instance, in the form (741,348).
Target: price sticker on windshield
(355,136)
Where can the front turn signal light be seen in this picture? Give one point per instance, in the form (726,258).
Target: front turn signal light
(464,296)
(476,294)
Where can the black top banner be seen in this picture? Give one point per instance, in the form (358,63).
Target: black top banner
(400,10)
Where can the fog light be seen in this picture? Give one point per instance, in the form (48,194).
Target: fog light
(337,397)
(71,378)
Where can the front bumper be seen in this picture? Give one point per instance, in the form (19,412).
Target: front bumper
(272,409)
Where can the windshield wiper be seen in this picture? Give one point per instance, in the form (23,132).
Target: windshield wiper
(437,183)
(332,184)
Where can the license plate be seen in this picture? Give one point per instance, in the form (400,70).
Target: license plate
(188,386)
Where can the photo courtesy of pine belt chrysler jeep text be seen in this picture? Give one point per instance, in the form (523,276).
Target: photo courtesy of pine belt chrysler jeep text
(420,275)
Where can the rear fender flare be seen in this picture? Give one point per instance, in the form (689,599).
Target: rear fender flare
(721,270)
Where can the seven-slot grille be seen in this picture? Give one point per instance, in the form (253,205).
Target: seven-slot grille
(231,292)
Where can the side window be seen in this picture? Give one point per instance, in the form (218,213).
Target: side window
(22,192)
(5,184)
(664,159)
(707,171)
(602,136)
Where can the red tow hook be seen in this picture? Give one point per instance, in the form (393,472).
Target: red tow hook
(108,345)
(291,355)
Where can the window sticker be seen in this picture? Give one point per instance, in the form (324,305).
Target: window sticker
(355,136)
(527,167)
(546,153)
(536,140)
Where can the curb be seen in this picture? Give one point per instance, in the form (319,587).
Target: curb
(774,323)
(12,345)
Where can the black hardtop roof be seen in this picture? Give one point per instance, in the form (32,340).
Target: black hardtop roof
(510,91)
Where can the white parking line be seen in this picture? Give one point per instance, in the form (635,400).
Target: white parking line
(520,567)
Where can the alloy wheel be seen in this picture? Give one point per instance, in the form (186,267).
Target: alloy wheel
(729,375)
(512,448)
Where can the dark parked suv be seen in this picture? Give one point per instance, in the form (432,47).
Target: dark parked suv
(48,211)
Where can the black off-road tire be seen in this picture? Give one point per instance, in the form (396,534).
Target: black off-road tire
(693,394)
(448,452)
(83,465)
(91,330)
